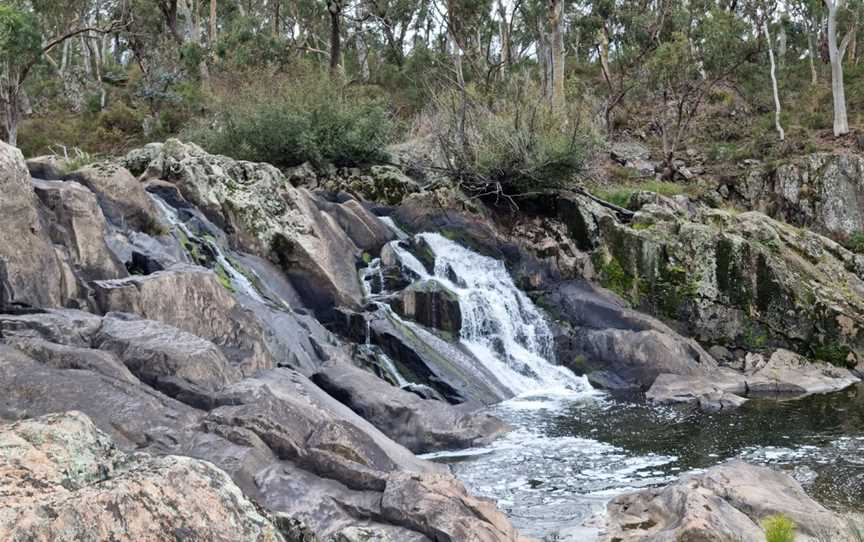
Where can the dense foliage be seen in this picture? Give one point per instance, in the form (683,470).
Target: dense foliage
(518,93)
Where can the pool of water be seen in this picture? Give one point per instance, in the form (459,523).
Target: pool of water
(568,455)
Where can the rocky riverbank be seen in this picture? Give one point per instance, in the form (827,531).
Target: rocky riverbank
(266,339)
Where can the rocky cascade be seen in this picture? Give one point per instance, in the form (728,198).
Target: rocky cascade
(186,358)
(261,337)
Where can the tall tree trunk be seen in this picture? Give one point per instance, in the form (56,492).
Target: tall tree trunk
(774,83)
(556,52)
(334,7)
(835,52)
(811,54)
(211,39)
(276,6)
(781,44)
(504,30)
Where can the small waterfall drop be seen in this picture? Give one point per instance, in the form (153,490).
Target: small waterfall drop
(501,327)
(500,324)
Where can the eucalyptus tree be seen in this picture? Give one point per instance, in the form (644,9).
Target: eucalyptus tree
(836,53)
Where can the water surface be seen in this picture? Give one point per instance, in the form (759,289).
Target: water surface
(568,455)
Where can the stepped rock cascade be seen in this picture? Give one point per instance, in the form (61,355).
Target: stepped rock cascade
(501,328)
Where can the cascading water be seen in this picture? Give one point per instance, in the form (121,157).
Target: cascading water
(501,327)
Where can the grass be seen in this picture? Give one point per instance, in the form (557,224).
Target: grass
(779,528)
(620,193)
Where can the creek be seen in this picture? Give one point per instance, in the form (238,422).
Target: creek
(574,448)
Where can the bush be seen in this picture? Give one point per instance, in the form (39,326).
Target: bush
(510,142)
(779,528)
(290,121)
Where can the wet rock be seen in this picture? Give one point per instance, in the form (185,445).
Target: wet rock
(79,225)
(421,425)
(424,358)
(727,502)
(615,346)
(193,300)
(123,199)
(431,304)
(63,479)
(30,271)
(265,214)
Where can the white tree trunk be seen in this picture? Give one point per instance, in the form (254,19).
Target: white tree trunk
(557,52)
(774,83)
(841,123)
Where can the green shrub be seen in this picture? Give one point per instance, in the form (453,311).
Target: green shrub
(779,528)
(855,243)
(290,121)
(510,142)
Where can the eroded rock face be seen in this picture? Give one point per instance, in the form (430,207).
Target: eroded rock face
(122,197)
(192,299)
(738,280)
(266,214)
(615,346)
(63,479)
(30,269)
(822,191)
(421,425)
(727,502)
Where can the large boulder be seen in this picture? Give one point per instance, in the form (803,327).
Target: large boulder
(191,299)
(79,225)
(30,271)
(164,356)
(421,425)
(63,479)
(727,502)
(617,347)
(122,197)
(823,191)
(264,213)
(431,304)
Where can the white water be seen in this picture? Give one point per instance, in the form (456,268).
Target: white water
(501,327)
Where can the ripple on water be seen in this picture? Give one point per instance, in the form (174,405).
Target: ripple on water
(570,453)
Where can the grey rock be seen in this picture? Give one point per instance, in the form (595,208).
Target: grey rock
(63,463)
(30,270)
(421,425)
(430,304)
(153,351)
(198,304)
(79,225)
(123,199)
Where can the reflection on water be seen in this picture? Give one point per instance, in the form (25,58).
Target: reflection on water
(569,455)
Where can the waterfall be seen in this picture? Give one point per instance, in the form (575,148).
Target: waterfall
(239,281)
(501,328)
